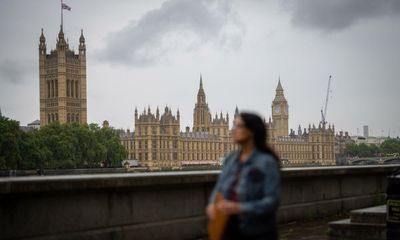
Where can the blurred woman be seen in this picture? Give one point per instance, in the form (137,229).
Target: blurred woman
(249,182)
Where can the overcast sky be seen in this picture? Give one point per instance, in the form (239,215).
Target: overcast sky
(152,52)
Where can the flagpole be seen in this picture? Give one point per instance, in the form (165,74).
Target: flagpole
(61,15)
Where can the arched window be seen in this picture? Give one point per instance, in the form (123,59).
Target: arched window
(56,88)
(72,117)
(68,88)
(76,89)
(48,88)
(52,88)
(56,116)
(72,88)
(77,118)
(52,117)
(68,117)
(48,118)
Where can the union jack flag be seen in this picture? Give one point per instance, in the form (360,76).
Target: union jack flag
(65,6)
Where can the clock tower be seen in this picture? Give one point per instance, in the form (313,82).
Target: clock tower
(280,112)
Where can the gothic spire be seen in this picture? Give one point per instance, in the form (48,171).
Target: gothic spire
(42,44)
(42,38)
(201,81)
(279,96)
(279,87)
(82,38)
(236,111)
(157,113)
(61,33)
(61,43)
(201,96)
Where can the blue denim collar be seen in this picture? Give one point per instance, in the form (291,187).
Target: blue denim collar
(249,158)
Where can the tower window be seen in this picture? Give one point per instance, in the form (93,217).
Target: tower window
(56,81)
(68,85)
(52,88)
(72,88)
(76,89)
(48,89)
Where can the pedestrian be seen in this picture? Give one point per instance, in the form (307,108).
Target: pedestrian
(249,183)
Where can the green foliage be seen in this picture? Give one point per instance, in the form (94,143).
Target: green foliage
(351,150)
(10,147)
(70,145)
(389,146)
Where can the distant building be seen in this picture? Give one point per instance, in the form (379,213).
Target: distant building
(127,140)
(35,124)
(366,131)
(31,126)
(368,140)
(62,76)
(106,124)
(158,143)
(341,141)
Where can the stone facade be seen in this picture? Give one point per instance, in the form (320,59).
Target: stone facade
(167,205)
(62,76)
(309,146)
(158,142)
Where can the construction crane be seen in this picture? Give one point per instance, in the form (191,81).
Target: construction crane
(323,111)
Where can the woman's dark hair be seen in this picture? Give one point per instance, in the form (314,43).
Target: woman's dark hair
(257,126)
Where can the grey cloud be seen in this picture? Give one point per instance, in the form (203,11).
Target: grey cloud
(13,71)
(177,24)
(334,15)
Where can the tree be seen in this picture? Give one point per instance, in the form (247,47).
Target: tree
(113,152)
(391,146)
(11,138)
(352,150)
(362,150)
(69,145)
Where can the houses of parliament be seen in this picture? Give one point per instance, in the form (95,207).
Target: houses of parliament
(158,141)
(62,77)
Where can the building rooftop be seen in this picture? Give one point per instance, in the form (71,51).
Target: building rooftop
(36,122)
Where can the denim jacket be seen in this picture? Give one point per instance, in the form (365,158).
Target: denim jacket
(258,190)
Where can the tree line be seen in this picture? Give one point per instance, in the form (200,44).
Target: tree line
(55,146)
(389,146)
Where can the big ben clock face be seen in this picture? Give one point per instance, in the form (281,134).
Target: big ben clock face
(277,109)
